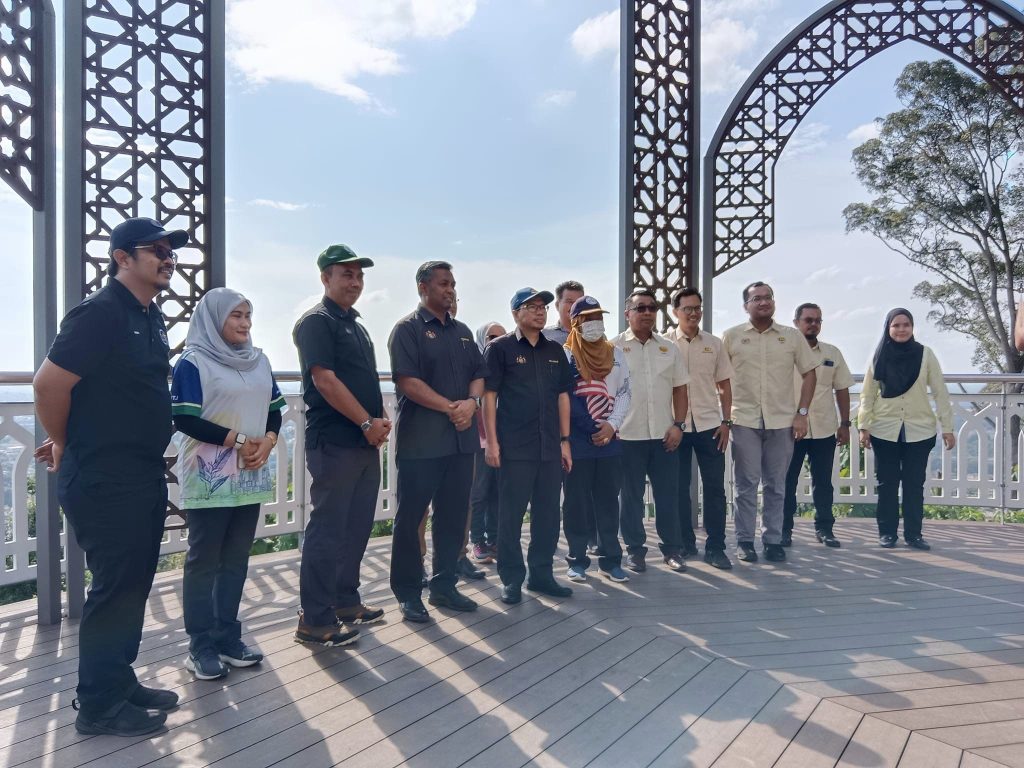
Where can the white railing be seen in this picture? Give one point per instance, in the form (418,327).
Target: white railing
(981,472)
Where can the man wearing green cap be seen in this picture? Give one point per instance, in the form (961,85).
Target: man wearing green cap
(345,426)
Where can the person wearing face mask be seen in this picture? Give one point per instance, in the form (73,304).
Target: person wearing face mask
(599,403)
(896,420)
(226,402)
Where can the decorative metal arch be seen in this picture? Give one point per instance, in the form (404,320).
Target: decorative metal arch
(21,66)
(660,56)
(144,136)
(987,36)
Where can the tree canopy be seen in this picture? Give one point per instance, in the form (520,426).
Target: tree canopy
(949,196)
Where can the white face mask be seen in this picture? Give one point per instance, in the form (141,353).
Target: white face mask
(592,330)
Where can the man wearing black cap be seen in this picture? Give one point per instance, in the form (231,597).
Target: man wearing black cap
(345,426)
(102,397)
(526,415)
(439,376)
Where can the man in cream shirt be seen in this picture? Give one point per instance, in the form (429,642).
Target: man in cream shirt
(824,431)
(707,426)
(764,355)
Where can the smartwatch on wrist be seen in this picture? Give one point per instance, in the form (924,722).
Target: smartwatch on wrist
(479,402)
(240,439)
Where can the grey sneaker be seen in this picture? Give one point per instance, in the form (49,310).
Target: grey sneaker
(205,664)
(238,654)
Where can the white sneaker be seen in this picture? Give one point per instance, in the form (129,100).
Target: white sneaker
(577,573)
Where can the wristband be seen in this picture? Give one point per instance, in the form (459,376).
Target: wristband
(563,439)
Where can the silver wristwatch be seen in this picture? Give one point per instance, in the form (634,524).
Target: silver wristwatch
(801,411)
(365,426)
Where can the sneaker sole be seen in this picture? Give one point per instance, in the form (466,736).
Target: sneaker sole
(362,622)
(306,640)
(238,663)
(616,579)
(578,578)
(191,667)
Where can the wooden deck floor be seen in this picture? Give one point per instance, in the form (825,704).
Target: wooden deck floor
(850,657)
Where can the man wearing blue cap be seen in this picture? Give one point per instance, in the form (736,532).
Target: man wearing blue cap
(526,417)
(102,397)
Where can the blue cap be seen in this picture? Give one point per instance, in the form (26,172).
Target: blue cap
(524,295)
(586,305)
(133,232)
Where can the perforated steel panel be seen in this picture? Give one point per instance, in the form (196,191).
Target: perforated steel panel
(21,140)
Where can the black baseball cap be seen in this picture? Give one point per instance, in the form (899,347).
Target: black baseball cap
(340,254)
(137,231)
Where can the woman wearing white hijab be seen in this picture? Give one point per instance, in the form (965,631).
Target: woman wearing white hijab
(225,400)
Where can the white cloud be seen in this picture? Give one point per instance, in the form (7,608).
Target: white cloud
(825,274)
(857,312)
(279,205)
(723,42)
(865,132)
(348,40)
(558,98)
(809,138)
(597,35)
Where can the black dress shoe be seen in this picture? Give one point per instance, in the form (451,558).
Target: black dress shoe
(153,698)
(413,610)
(451,599)
(511,594)
(127,720)
(718,559)
(919,543)
(826,538)
(888,541)
(745,552)
(774,553)
(787,539)
(467,570)
(548,587)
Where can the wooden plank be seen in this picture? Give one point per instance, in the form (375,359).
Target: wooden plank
(856,686)
(875,743)
(977,760)
(1011,755)
(922,751)
(822,738)
(958,714)
(973,737)
(769,734)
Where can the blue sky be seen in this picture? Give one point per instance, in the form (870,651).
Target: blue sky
(485,132)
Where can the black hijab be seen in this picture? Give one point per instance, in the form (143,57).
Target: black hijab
(897,364)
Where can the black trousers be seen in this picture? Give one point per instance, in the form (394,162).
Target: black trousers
(483,502)
(219,541)
(119,526)
(444,483)
(711,464)
(539,484)
(346,482)
(642,459)
(899,464)
(592,492)
(820,454)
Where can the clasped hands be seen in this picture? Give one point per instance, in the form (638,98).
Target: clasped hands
(460,413)
(255,452)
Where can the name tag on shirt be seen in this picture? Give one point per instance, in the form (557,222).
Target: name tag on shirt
(828,363)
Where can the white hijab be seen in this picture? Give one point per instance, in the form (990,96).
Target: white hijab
(205,331)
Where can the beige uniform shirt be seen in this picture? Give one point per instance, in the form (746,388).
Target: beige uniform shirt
(655,369)
(883,416)
(707,365)
(762,385)
(832,374)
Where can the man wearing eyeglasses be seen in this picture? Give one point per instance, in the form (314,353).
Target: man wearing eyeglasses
(764,356)
(102,397)
(651,433)
(566,294)
(824,431)
(526,421)
(707,426)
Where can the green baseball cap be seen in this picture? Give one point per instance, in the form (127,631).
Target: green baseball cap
(341,254)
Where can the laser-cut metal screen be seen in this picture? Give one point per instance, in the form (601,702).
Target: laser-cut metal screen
(987,36)
(660,146)
(21,140)
(148,144)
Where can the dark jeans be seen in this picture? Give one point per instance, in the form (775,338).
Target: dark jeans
(820,454)
(346,482)
(642,459)
(119,526)
(219,540)
(711,463)
(537,483)
(896,464)
(483,501)
(592,491)
(443,483)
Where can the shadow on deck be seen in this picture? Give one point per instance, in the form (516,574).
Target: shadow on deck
(851,657)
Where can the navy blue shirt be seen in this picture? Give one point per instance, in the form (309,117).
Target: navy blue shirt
(329,336)
(120,420)
(444,355)
(528,380)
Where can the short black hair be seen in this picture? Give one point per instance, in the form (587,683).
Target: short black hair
(637,292)
(756,284)
(806,305)
(426,270)
(568,285)
(113,267)
(682,293)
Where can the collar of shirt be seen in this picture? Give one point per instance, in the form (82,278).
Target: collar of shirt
(121,291)
(427,316)
(519,337)
(628,335)
(337,311)
(749,326)
(677,335)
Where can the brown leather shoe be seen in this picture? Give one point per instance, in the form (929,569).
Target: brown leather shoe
(329,635)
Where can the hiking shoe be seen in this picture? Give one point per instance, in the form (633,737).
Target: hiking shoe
(206,664)
(616,574)
(718,559)
(636,563)
(576,573)
(328,635)
(238,654)
(127,720)
(675,562)
(359,614)
(153,698)
(745,552)
(451,599)
(482,554)
(774,553)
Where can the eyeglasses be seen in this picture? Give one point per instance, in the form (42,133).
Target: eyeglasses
(761,299)
(690,310)
(642,308)
(534,307)
(160,252)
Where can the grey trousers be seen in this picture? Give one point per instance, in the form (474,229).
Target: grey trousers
(760,457)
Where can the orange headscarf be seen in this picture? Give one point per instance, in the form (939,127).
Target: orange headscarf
(594,359)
